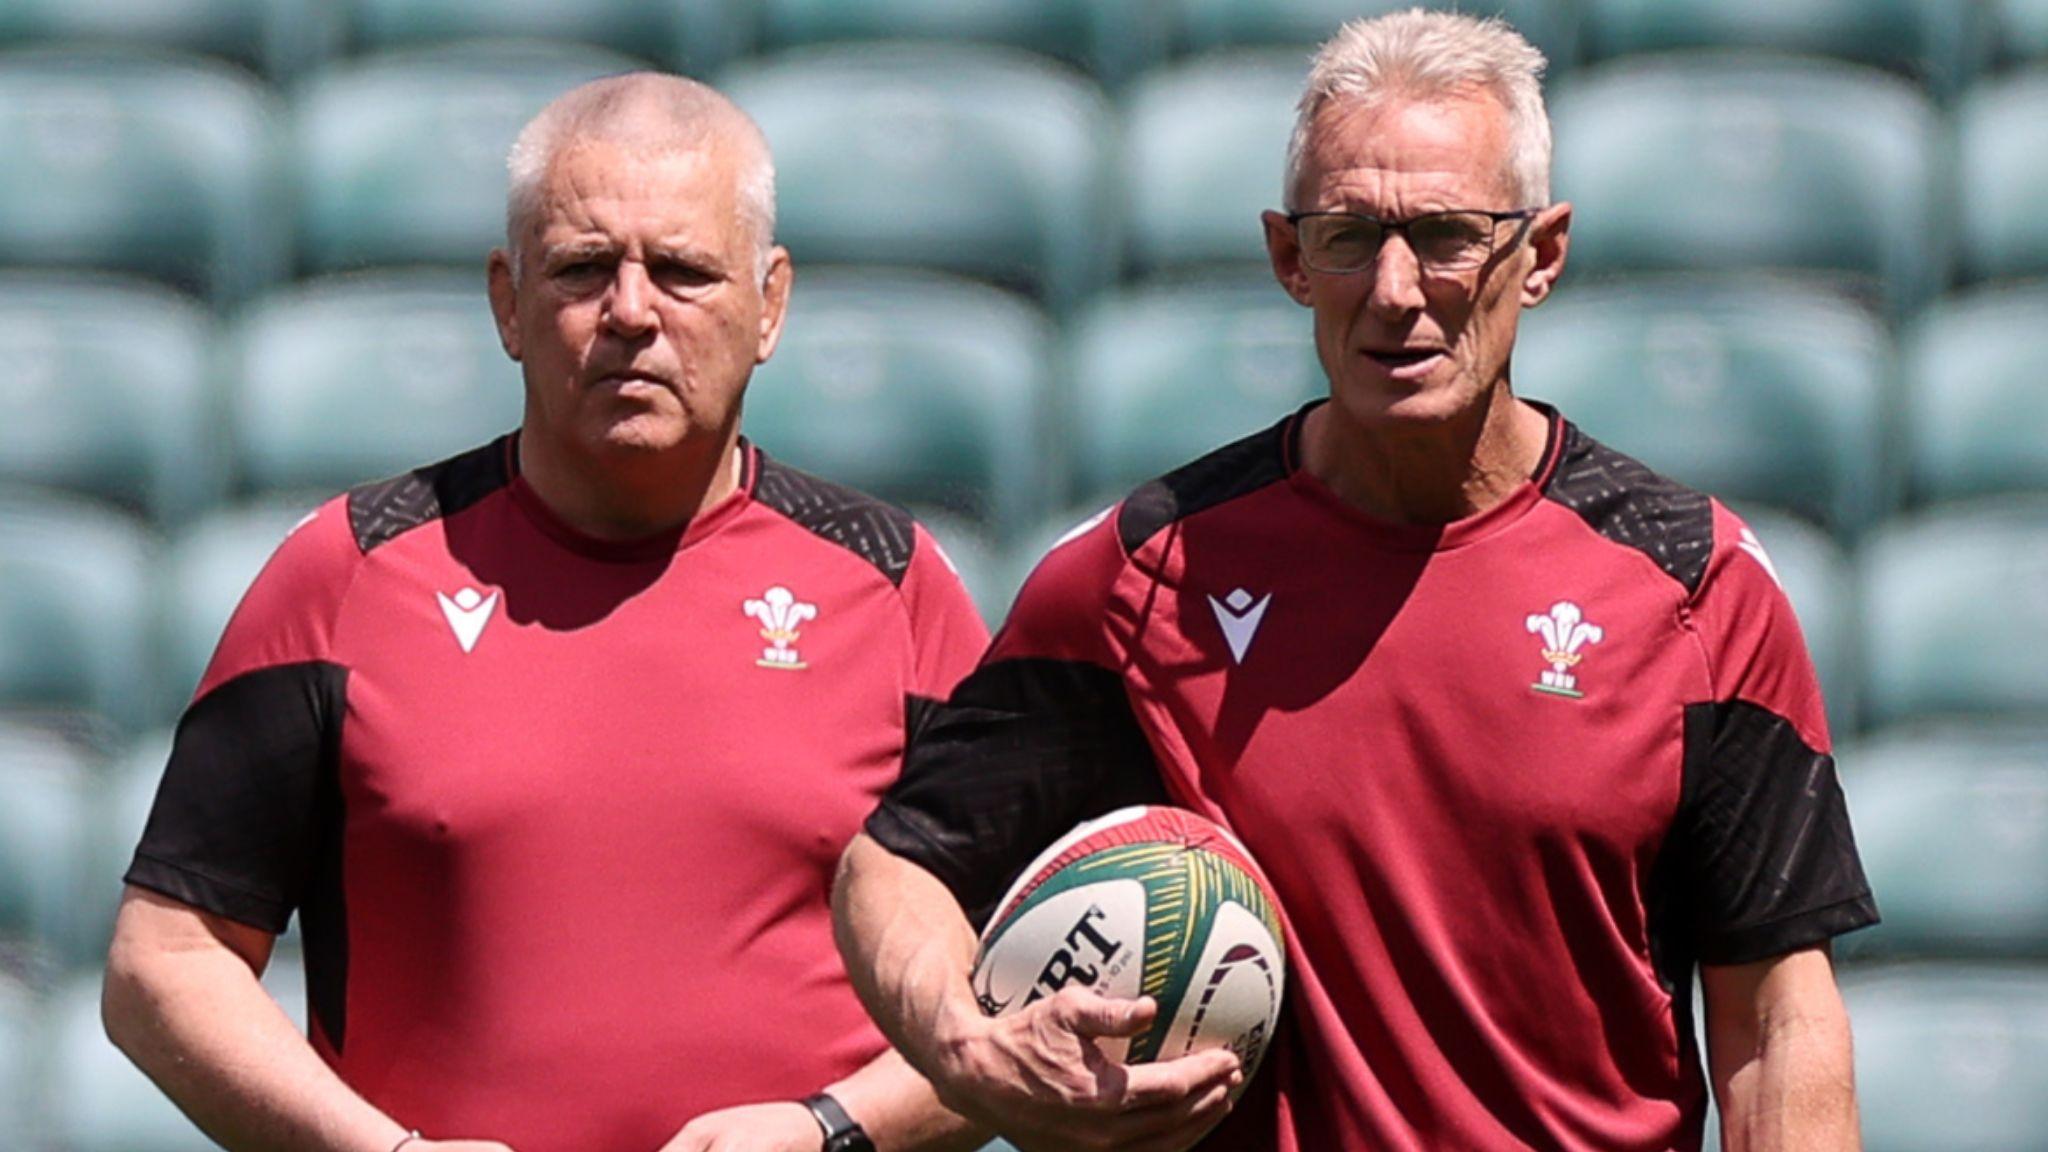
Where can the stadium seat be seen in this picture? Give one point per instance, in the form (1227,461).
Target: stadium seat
(1204,25)
(156,165)
(1974,405)
(46,780)
(204,576)
(108,391)
(116,811)
(1750,388)
(917,387)
(401,157)
(74,608)
(1162,375)
(698,35)
(20,1044)
(347,380)
(1205,149)
(973,553)
(1952,824)
(276,37)
(1953,1057)
(1108,37)
(2001,178)
(1820,583)
(1955,613)
(1720,161)
(2019,30)
(975,160)
(99,1102)
(1938,40)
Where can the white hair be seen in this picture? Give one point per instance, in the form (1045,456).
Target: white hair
(1423,55)
(653,110)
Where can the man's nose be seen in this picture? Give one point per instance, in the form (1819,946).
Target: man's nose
(1396,277)
(629,301)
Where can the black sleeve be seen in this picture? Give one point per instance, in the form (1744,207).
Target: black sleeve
(1764,857)
(1024,750)
(239,818)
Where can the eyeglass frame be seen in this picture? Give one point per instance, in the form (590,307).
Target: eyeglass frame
(1525,215)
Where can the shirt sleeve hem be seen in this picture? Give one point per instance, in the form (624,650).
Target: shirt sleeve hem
(208,893)
(1790,933)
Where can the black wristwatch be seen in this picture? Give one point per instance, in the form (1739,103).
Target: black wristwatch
(842,1134)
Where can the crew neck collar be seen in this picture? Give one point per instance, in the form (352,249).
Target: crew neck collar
(652,547)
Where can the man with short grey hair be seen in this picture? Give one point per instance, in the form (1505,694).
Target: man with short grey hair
(552,746)
(1523,733)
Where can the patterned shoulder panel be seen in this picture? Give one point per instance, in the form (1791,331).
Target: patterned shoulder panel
(1224,475)
(878,532)
(1623,500)
(382,511)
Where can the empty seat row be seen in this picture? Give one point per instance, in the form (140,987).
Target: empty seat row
(1940,41)
(936,390)
(998,164)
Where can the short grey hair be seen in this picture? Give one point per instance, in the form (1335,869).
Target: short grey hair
(1423,55)
(651,109)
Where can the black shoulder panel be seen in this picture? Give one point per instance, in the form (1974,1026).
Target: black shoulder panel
(1223,475)
(381,511)
(877,532)
(1623,500)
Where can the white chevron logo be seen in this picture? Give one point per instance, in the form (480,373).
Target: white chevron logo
(1239,615)
(467,614)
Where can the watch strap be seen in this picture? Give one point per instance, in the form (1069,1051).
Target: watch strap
(842,1132)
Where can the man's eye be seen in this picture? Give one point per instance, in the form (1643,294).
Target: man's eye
(683,276)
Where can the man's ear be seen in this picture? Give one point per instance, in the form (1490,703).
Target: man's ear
(504,292)
(1550,239)
(775,288)
(1283,249)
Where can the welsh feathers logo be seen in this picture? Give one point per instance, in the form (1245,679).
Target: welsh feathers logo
(1565,631)
(781,615)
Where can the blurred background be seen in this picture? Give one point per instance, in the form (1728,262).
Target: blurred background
(241,256)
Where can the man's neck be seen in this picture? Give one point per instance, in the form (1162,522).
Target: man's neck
(623,494)
(1432,474)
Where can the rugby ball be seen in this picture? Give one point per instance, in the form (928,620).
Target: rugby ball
(1145,901)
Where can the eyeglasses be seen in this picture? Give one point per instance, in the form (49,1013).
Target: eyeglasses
(1454,241)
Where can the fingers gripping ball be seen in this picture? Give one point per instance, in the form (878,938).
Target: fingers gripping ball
(1145,901)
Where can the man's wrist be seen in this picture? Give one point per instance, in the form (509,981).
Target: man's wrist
(842,1133)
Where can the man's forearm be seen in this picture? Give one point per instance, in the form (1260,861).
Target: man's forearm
(1782,1061)
(907,947)
(191,1014)
(900,1111)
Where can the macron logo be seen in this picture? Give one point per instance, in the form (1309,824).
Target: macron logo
(467,614)
(1239,615)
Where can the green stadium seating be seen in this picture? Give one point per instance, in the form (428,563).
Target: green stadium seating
(975,160)
(1205,149)
(277,37)
(1748,388)
(108,391)
(1203,25)
(401,157)
(917,387)
(347,380)
(1111,38)
(974,554)
(45,779)
(698,35)
(160,166)
(1953,1057)
(1955,613)
(1720,161)
(1952,824)
(1164,374)
(1939,40)
(116,811)
(2001,178)
(99,1102)
(2019,29)
(1974,406)
(74,608)
(207,570)
(1821,585)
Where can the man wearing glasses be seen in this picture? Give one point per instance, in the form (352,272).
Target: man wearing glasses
(1522,732)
